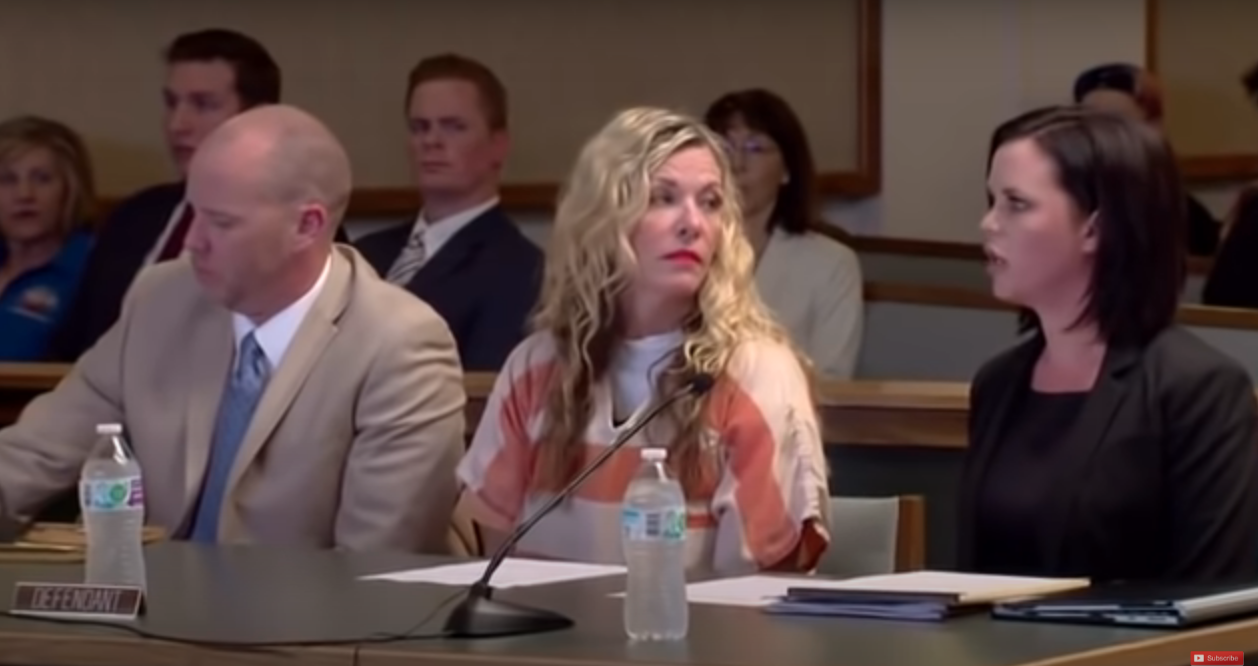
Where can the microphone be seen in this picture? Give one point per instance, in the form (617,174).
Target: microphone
(479,615)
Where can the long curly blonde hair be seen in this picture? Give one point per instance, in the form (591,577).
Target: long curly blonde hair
(591,262)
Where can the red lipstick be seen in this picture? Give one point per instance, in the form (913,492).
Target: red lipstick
(683,255)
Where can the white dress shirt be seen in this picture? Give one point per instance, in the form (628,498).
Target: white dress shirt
(277,333)
(813,285)
(439,232)
(151,258)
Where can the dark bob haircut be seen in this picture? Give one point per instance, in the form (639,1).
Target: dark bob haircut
(1125,174)
(1007,130)
(798,205)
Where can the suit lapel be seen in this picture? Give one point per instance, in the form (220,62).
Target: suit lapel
(212,353)
(456,251)
(1085,438)
(307,347)
(382,250)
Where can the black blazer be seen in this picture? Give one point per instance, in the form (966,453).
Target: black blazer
(484,281)
(1203,229)
(1161,481)
(123,242)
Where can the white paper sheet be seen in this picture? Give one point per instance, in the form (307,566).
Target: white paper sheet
(514,572)
(763,590)
(954,582)
(745,590)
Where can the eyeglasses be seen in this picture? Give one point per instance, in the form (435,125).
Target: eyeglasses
(752,147)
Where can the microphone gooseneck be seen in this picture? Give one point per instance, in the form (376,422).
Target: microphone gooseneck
(479,615)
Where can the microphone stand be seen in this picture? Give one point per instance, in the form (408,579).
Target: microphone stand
(479,615)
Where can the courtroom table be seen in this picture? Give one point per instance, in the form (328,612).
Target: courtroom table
(214,595)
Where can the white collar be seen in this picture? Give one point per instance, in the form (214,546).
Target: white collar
(439,232)
(276,333)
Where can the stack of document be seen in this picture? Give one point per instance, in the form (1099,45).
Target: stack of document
(919,595)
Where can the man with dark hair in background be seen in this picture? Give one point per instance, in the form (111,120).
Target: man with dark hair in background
(461,253)
(211,76)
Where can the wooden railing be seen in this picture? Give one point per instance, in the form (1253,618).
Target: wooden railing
(852,413)
(887,413)
(936,249)
(1189,314)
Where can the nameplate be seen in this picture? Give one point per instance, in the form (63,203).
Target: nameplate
(77,601)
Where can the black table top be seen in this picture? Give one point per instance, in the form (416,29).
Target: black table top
(228,594)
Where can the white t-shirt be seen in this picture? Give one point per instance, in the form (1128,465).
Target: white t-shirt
(635,368)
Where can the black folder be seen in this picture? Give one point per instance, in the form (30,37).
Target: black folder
(918,595)
(1138,605)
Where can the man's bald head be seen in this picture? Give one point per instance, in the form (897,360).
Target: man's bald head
(269,188)
(293,156)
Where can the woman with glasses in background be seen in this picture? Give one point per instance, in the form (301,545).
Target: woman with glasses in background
(812,283)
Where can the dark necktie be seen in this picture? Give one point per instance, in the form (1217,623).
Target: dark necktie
(174,242)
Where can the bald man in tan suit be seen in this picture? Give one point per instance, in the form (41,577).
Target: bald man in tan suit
(274,388)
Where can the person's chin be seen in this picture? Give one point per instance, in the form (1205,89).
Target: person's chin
(1002,290)
(26,230)
(208,281)
(682,286)
(436,181)
(181,158)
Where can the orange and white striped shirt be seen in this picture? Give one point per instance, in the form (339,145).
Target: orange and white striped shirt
(770,497)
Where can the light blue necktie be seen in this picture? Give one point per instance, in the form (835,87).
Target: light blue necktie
(235,412)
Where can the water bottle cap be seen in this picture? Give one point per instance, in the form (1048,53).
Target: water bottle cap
(109,429)
(655,455)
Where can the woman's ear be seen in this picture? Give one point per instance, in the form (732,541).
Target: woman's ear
(1091,234)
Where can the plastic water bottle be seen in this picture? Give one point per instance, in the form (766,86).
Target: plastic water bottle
(111,494)
(653,522)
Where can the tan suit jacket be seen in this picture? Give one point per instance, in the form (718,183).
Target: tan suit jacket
(353,445)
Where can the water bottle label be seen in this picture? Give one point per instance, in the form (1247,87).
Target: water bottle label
(639,525)
(111,494)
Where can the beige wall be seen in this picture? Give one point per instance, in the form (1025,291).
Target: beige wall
(953,71)
(348,67)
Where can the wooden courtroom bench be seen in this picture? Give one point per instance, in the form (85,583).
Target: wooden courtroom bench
(899,431)
(857,413)
(950,263)
(943,333)
(887,438)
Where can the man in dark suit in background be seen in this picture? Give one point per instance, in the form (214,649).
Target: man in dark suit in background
(211,76)
(462,254)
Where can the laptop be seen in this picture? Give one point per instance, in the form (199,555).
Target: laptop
(1138,605)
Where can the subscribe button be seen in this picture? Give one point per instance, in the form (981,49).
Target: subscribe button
(1218,658)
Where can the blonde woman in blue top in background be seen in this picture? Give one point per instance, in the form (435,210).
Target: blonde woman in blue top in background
(46,195)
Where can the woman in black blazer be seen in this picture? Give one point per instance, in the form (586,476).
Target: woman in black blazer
(1110,443)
